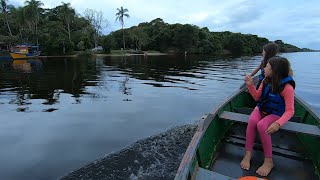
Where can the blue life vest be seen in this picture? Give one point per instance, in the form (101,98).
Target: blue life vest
(261,75)
(273,103)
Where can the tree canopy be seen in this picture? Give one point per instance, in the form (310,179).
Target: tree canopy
(61,30)
(180,38)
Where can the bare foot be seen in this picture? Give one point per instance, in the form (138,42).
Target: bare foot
(266,167)
(245,163)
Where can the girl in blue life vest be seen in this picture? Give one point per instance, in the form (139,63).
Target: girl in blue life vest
(275,98)
(269,50)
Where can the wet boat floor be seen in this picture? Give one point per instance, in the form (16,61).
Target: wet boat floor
(288,156)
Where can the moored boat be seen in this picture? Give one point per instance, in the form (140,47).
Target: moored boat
(24,51)
(217,147)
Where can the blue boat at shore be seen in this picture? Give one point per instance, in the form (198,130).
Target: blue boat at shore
(23,51)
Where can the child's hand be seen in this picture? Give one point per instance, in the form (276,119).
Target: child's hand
(248,79)
(274,127)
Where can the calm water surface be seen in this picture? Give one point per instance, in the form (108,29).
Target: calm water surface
(60,114)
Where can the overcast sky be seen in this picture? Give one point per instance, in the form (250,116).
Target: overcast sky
(294,21)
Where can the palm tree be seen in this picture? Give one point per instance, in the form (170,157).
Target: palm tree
(4,11)
(119,17)
(33,7)
(19,18)
(67,14)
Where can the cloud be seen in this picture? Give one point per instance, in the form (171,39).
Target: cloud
(296,25)
(194,18)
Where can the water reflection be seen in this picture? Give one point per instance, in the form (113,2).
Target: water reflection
(27,66)
(177,71)
(44,79)
(94,100)
(23,81)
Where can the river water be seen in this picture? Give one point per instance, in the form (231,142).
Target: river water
(58,114)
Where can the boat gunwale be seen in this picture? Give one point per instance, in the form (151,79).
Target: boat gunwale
(307,107)
(203,125)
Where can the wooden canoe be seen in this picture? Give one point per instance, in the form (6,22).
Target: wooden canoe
(217,147)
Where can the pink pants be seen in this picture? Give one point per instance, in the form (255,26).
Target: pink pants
(258,121)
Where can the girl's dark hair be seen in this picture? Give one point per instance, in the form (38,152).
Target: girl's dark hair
(281,68)
(270,49)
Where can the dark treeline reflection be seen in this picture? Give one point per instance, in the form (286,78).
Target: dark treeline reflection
(22,80)
(45,79)
(93,101)
(164,68)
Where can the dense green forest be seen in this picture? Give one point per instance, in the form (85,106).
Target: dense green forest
(178,38)
(61,30)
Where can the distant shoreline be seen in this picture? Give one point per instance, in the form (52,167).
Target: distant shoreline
(148,54)
(106,55)
(128,54)
(125,54)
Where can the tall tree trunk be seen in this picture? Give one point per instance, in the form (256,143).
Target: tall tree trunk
(29,23)
(37,36)
(124,44)
(95,41)
(69,32)
(95,38)
(64,48)
(20,31)
(6,19)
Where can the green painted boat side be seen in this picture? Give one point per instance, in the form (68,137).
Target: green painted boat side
(211,130)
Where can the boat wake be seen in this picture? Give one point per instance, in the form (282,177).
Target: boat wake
(156,157)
